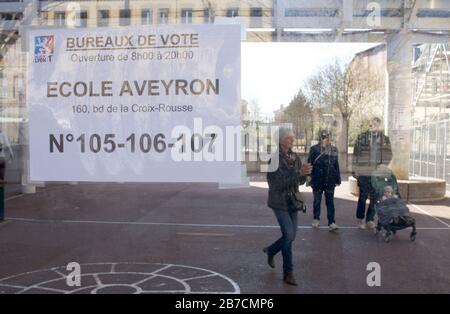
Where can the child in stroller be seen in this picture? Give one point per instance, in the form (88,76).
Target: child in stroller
(393,214)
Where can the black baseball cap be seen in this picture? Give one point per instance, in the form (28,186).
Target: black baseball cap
(324,134)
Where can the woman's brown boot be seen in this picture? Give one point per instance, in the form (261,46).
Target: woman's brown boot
(290,279)
(270,259)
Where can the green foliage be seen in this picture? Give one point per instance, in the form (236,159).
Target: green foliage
(299,113)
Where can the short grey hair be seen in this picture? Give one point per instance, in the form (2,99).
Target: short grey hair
(283,132)
(377,119)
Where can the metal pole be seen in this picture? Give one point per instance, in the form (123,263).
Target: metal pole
(428,150)
(420,150)
(436,149)
(414,152)
(444,174)
(276,20)
(2,202)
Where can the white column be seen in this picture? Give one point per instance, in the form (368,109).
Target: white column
(30,17)
(399,101)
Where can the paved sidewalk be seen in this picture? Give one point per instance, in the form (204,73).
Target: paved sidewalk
(137,238)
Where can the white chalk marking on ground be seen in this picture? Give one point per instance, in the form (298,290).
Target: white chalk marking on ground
(140,223)
(200,277)
(166,291)
(13,197)
(180,281)
(204,234)
(97,280)
(96,289)
(43,288)
(161,269)
(45,189)
(144,280)
(186,224)
(59,273)
(99,285)
(11,286)
(425,212)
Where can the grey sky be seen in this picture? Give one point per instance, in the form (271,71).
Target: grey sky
(272,73)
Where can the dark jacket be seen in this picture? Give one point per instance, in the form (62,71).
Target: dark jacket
(284,180)
(370,152)
(325,173)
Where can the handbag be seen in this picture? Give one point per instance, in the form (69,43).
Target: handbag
(297,201)
(295,198)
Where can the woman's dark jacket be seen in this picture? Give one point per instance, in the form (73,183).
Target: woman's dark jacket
(284,179)
(325,173)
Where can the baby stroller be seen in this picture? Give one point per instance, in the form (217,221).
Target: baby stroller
(393,214)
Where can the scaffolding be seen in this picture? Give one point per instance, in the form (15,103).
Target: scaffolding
(430,155)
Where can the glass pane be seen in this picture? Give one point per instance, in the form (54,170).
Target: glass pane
(103,18)
(157,145)
(147,17)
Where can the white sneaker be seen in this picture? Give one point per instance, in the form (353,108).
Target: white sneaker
(361,224)
(333,227)
(370,225)
(315,223)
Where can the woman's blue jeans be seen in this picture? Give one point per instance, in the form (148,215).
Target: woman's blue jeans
(288,225)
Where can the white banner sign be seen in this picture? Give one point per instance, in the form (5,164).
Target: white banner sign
(135,104)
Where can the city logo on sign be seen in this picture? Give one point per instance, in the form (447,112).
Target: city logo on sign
(44,47)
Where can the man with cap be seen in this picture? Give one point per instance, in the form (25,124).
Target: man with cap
(324,177)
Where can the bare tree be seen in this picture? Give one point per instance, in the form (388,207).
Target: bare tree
(255,111)
(344,90)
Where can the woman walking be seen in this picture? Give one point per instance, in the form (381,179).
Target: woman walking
(285,201)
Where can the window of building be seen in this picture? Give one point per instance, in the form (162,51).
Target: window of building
(186,16)
(445,81)
(384,13)
(147,16)
(417,52)
(434,85)
(232,12)
(60,18)
(19,87)
(429,13)
(125,15)
(11,16)
(44,16)
(163,16)
(206,15)
(82,19)
(3,86)
(103,18)
(311,12)
(256,17)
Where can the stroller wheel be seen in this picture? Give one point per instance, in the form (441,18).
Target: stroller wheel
(376,231)
(412,237)
(387,238)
